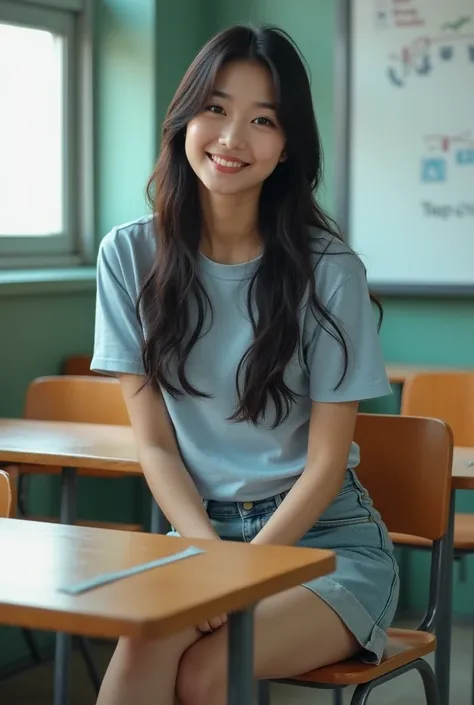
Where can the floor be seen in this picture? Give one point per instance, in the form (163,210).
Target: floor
(34,687)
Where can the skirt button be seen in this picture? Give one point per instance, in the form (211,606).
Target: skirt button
(247,506)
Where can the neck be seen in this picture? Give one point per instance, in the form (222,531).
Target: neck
(230,229)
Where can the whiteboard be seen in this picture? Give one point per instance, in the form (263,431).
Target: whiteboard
(411,141)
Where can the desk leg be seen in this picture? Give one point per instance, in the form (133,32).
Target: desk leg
(62,661)
(158,522)
(62,656)
(68,508)
(444,630)
(241,687)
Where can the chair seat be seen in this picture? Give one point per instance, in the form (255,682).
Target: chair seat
(404,646)
(463,535)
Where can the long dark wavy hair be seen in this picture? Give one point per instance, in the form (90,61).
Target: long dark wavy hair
(287,210)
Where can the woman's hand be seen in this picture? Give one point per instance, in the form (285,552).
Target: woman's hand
(212,624)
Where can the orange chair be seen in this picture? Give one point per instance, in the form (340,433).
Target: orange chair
(80,399)
(448,396)
(406,467)
(7,495)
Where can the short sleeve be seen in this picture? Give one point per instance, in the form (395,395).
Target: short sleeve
(118,338)
(365,378)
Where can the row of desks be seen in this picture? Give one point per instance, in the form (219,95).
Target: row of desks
(39,559)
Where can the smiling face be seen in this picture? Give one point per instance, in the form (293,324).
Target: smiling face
(236,142)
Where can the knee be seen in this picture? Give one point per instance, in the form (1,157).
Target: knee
(136,654)
(198,683)
(141,655)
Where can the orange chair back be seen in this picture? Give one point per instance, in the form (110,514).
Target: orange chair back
(406,465)
(443,395)
(79,399)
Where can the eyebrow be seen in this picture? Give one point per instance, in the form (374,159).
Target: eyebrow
(226,96)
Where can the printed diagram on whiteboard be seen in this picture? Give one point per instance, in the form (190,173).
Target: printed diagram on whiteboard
(410,211)
(445,152)
(421,55)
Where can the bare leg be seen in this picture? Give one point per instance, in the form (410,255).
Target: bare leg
(144,672)
(295,632)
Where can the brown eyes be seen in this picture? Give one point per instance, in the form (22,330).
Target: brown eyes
(219,110)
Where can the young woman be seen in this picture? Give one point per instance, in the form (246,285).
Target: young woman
(241,328)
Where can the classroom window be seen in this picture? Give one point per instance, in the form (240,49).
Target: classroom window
(45,194)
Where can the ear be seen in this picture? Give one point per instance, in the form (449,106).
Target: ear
(283,156)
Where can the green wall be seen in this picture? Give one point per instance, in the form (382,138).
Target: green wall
(38,332)
(182,27)
(125,89)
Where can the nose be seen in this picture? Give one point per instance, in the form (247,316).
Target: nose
(233,135)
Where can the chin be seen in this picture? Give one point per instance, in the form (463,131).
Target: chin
(225,191)
(221,188)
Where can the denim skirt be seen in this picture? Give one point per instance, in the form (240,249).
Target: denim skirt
(363,590)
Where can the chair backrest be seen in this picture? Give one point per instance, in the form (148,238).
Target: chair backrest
(7,495)
(80,399)
(443,395)
(406,465)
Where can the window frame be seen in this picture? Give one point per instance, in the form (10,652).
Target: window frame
(72,19)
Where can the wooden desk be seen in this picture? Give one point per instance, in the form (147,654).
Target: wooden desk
(463,469)
(39,559)
(62,444)
(74,448)
(398,373)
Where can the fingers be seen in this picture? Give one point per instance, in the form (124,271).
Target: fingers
(216,622)
(212,624)
(205,628)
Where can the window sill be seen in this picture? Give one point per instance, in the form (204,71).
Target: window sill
(25,282)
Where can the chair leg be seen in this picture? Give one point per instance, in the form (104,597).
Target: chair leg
(338,696)
(362,692)
(263,693)
(32,647)
(84,648)
(22,489)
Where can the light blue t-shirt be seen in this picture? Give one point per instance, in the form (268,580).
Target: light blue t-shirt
(228,460)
